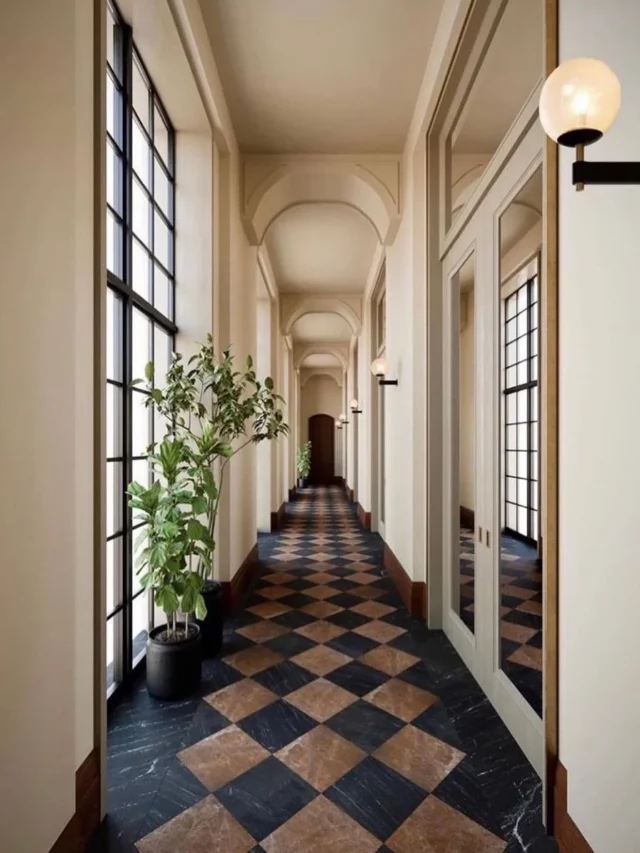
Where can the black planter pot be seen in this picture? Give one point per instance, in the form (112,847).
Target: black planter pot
(302,483)
(211,627)
(174,668)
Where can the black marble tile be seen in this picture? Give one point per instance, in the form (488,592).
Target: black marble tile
(300,584)
(527,680)
(435,721)
(507,647)
(111,838)
(179,791)
(294,618)
(206,721)
(529,620)
(346,600)
(217,674)
(277,725)
(510,601)
(462,790)
(297,600)
(357,677)
(342,571)
(264,798)
(377,797)
(290,644)
(284,677)
(344,584)
(352,644)
(398,617)
(537,640)
(365,725)
(348,619)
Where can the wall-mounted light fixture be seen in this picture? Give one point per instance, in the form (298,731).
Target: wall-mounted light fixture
(578,104)
(339,424)
(380,368)
(343,419)
(355,408)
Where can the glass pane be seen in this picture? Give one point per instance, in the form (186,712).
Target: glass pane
(511,354)
(511,409)
(511,306)
(162,189)
(534,405)
(111,38)
(523,437)
(114,108)
(114,179)
(512,517)
(161,136)
(534,531)
(511,330)
(522,324)
(511,463)
(114,420)
(140,344)
(522,298)
(522,521)
(138,542)
(522,349)
(114,336)
(141,270)
(512,377)
(141,155)
(512,491)
(141,472)
(140,626)
(114,497)
(522,463)
(534,290)
(162,356)
(162,293)
(140,423)
(140,96)
(162,242)
(114,246)
(112,625)
(523,376)
(523,497)
(511,438)
(160,425)
(523,406)
(114,573)
(141,214)
(534,369)
(534,466)
(533,343)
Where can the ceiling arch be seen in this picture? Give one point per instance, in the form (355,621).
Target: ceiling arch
(332,355)
(320,305)
(331,373)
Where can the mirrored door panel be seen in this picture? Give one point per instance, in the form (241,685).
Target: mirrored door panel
(520,586)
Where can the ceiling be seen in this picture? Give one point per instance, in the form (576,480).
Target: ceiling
(321,248)
(321,76)
(522,214)
(512,66)
(319,326)
(321,360)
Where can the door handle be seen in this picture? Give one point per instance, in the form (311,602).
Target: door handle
(488,539)
(480,535)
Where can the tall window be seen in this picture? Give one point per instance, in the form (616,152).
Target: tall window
(520,390)
(140,320)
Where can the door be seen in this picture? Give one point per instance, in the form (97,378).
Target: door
(321,436)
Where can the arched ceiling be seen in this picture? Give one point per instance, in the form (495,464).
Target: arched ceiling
(317,327)
(321,359)
(321,77)
(321,248)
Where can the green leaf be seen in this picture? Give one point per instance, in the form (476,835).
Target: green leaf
(167,600)
(201,607)
(148,371)
(268,383)
(199,505)
(188,602)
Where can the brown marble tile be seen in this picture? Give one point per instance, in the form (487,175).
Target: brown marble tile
(515,591)
(205,827)
(389,660)
(420,757)
(279,578)
(401,699)
(320,699)
(262,631)
(321,757)
(239,700)
(321,609)
(320,578)
(253,660)
(321,660)
(516,633)
(534,607)
(361,567)
(288,558)
(382,632)
(321,592)
(363,578)
(528,656)
(320,827)
(320,631)
(435,827)
(222,757)
(274,592)
(355,556)
(269,609)
(373,609)
(321,556)
(364,591)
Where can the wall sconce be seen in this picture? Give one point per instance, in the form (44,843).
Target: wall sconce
(339,424)
(578,104)
(380,368)
(355,409)
(343,419)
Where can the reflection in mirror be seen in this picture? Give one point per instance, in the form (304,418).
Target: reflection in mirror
(520,545)
(464,578)
(511,66)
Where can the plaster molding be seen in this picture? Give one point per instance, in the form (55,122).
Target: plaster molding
(339,351)
(293,307)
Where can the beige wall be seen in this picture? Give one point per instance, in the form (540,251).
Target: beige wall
(46,357)
(600,455)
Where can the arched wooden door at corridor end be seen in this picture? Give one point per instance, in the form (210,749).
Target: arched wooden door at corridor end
(322,438)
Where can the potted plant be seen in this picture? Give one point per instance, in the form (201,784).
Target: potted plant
(303,464)
(211,411)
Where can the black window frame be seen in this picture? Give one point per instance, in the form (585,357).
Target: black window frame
(129,651)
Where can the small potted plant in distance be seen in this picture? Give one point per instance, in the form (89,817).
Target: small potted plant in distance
(211,412)
(303,464)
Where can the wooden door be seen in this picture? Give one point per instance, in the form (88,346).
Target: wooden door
(322,436)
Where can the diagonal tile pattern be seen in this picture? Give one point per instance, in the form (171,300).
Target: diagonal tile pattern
(333,721)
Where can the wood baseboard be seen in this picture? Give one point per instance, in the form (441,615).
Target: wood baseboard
(566,833)
(467,518)
(234,590)
(349,493)
(413,593)
(292,494)
(277,518)
(364,517)
(78,832)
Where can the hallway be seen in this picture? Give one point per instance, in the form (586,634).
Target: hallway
(333,721)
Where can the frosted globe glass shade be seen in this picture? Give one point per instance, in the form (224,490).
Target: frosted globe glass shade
(354,403)
(343,417)
(579,101)
(379,367)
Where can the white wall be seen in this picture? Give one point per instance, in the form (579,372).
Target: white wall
(600,455)
(46,357)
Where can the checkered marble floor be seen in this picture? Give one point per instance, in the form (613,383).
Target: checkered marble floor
(333,723)
(520,611)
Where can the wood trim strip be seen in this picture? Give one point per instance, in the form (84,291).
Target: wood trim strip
(567,834)
(467,518)
(277,518)
(549,412)
(85,820)
(349,493)
(364,517)
(413,593)
(234,590)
